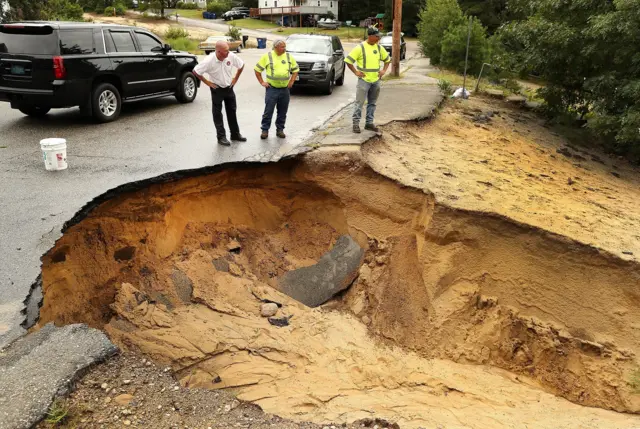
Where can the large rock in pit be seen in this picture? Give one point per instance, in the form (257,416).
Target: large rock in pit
(334,272)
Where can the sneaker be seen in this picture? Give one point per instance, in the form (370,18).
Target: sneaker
(224,141)
(239,138)
(356,128)
(281,134)
(372,127)
(264,135)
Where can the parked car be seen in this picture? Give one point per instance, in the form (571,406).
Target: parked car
(235,14)
(387,43)
(98,67)
(320,58)
(209,45)
(328,23)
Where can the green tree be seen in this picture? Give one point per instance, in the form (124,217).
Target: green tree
(20,10)
(454,47)
(435,19)
(491,13)
(586,51)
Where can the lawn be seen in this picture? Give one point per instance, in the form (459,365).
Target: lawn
(252,24)
(343,32)
(189,13)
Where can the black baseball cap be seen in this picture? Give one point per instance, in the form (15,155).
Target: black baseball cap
(372,31)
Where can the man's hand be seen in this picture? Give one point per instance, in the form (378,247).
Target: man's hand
(381,73)
(265,84)
(212,85)
(290,84)
(360,74)
(233,82)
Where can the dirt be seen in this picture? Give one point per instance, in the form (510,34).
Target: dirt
(130,390)
(512,165)
(487,297)
(158,27)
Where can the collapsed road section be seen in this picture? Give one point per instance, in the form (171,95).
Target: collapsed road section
(439,316)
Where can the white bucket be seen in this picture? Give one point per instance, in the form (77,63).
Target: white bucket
(54,153)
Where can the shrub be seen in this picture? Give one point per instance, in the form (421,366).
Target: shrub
(435,20)
(176,33)
(445,87)
(184,44)
(118,9)
(218,7)
(234,32)
(186,6)
(143,7)
(454,46)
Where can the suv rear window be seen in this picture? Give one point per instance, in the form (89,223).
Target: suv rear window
(76,42)
(29,40)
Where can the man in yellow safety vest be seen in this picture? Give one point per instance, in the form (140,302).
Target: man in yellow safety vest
(367,58)
(281,70)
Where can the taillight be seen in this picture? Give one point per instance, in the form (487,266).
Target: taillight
(58,68)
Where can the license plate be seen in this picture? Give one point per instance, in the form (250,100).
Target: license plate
(297,77)
(19,70)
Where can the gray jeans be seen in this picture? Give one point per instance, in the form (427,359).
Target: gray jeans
(369,92)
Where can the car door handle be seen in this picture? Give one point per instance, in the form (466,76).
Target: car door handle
(118,61)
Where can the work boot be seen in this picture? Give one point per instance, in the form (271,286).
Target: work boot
(372,127)
(224,141)
(264,135)
(356,128)
(239,138)
(281,134)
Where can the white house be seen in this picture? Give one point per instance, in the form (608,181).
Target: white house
(201,3)
(307,7)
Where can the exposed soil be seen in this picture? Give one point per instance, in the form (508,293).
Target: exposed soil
(158,27)
(485,155)
(178,271)
(131,391)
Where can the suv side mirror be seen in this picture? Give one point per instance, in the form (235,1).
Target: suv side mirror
(157,49)
(166,48)
(338,52)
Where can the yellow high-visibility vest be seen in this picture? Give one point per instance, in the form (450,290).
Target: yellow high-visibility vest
(368,59)
(278,68)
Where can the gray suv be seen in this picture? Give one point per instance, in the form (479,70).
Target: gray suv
(320,58)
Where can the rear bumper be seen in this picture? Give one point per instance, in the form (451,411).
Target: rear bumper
(64,93)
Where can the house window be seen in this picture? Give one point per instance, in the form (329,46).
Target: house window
(318,3)
(265,4)
(331,5)
(275,3)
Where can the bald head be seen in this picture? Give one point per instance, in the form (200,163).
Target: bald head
(222,49)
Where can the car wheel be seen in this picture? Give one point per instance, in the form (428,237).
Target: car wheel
(106,102)
(404,55)
(187,89)
(329,85)
(340,81)
(207,52)
(35,111)
(238,49)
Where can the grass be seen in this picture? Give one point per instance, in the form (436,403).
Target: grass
(456,81)
(343,32)
(185,44)
(253,24)
(634,381)
(189,13)
(58,412)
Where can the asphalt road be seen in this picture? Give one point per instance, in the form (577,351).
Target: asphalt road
(149,139)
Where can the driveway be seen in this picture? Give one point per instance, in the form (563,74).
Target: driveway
(149,139)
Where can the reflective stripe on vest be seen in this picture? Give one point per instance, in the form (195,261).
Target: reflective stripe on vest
(273,70)
(364,60)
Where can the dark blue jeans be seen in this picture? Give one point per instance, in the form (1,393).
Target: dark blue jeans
(275,97)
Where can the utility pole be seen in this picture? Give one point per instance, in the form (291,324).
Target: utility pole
(466,60)
(397,30)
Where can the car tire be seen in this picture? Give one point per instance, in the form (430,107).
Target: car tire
(35,111)
(187,88)
(404,55)
(106,102)
(340,81)
(207,52)
(328,86)
(238,50)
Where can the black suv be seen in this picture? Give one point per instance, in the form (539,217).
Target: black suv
(320,58)
(45,65)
